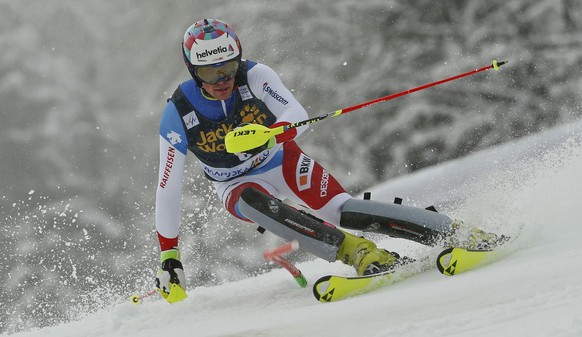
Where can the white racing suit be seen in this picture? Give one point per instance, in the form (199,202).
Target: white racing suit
(252,186)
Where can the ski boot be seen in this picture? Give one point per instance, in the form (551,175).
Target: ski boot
(470,237)
(364,256)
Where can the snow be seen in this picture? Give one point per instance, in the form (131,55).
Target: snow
(536,291)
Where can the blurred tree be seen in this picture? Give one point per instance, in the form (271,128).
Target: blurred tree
(82,86)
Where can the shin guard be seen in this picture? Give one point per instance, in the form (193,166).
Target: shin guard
(412,223)
(288,223)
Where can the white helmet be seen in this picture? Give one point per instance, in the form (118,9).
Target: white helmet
(207,42)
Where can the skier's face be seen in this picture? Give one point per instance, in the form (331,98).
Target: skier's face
(221,90)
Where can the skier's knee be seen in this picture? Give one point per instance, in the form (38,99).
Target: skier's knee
(232,201)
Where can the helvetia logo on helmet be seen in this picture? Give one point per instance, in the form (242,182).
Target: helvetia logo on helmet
(215,51)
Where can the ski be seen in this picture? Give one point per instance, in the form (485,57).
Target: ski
(453,261)
(332,288)
(456,260)
(449,261)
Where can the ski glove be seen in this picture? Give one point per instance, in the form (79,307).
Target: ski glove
(267,145)
(170,279)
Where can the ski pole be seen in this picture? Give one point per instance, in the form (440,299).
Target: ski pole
(177,294)
(136,299)
(275,256)
(251,136)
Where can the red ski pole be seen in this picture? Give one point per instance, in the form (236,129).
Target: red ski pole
(275,256)
(251,136)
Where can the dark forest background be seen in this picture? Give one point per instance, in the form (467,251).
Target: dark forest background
(83,84)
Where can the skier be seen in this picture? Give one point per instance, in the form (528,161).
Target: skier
(227,91)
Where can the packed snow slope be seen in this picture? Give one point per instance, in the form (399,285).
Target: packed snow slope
(536,291)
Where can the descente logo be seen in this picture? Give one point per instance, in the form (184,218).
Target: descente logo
(274,94)
(214,51)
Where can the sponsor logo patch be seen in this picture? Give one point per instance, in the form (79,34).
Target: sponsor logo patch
(300,227)
(304,171)
(274,94)
(252,114)
(191,120)
(323,185)
(213,140)
(168,167)
(215,51)
(244,92)
(174,137)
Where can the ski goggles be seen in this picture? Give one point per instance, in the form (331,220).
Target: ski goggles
(215,73)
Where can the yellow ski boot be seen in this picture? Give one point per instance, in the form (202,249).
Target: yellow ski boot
(470,237)
(364,256)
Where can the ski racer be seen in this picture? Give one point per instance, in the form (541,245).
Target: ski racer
(227,91)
